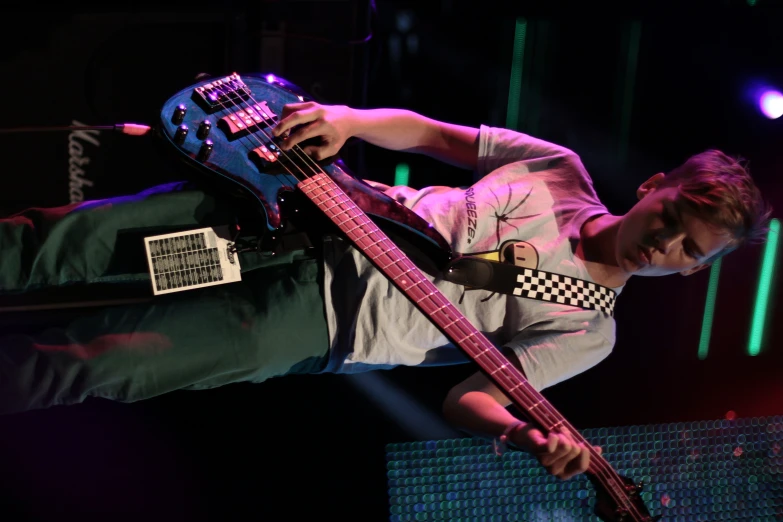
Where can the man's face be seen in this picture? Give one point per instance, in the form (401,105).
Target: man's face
(659,236)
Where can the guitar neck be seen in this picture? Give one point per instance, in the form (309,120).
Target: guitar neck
(406,276)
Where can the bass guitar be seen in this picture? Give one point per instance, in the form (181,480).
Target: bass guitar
(222,128)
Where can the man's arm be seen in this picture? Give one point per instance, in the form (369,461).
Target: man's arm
(478,406)
(404,130)
(394,129)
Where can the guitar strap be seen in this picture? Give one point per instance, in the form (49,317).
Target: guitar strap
(478,273)
(506,278)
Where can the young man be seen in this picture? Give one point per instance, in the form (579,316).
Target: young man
(532,202)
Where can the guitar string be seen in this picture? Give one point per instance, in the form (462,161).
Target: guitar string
(599,461)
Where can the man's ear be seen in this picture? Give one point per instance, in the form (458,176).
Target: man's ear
(650,185)
(697,268)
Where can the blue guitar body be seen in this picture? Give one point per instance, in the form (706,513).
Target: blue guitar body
(221,127)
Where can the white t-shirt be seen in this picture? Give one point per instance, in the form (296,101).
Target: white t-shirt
(529,193)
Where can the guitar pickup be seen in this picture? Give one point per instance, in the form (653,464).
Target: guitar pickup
(265,154)
(246,120)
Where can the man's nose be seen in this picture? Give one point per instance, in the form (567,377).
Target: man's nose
(668,241)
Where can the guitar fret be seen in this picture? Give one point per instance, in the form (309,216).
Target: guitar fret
(534,405)
(471,334)
(385,266)
(399,279)
(333,194)
(407,271)
(360,225)
(425,297)
(341,212)
(357,219)
(341,223)
(326,197)
(519,385)
(556,425)
(336,204)
(482,352)
(437,309)
(455,321)
(392,246)
(357,238)
(352,219)
(337,200)
(500,368)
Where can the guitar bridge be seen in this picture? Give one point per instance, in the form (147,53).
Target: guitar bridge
(221,94)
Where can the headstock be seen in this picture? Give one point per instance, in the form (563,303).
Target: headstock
(618,499)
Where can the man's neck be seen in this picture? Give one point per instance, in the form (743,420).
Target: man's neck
(596,248)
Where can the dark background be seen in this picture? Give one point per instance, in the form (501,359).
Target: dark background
(313,447)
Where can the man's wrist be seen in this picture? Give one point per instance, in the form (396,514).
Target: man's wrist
(356,121)
(501,443)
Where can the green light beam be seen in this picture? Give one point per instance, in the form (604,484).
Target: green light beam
(709,310)
(631,64)
(762,294)
(515,82)
(401,174)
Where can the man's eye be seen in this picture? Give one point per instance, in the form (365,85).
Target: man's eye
(689,251)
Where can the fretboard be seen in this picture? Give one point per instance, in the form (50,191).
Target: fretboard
(406,276)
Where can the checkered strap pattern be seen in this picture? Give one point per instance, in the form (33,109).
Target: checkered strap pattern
(556,288)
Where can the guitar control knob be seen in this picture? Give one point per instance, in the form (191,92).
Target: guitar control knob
(203,129)
(179,114)
(205,151)
(182,132)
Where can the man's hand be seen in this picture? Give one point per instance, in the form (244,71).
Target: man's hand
(330,123)
(558,452)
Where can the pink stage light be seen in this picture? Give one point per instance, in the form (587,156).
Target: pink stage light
(771,104)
